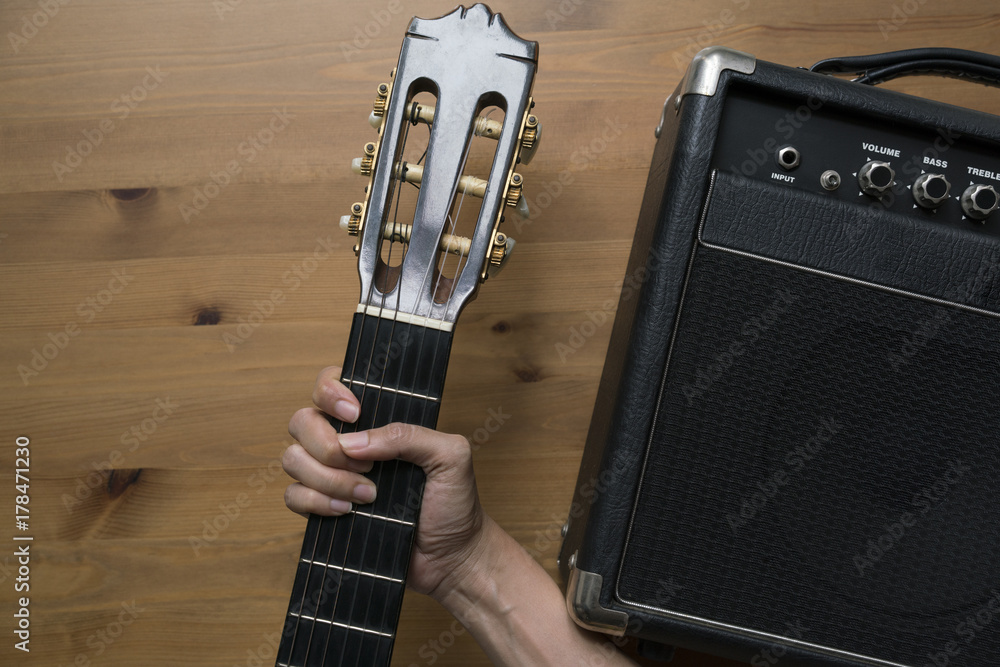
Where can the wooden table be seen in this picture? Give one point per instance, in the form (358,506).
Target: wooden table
(145,352)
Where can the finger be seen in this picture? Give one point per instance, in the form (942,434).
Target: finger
(332,397)
(306,501)
(431,450)
(331,482)
(318,437)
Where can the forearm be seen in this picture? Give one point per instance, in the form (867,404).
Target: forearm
(516,612)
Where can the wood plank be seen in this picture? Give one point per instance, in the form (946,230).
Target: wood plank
(222,72)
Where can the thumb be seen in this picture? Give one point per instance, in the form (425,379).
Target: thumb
(431,450)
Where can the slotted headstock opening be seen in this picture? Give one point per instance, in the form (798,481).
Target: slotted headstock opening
(467,200)
(404,190)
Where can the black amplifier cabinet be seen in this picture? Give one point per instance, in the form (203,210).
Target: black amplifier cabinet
(794,451)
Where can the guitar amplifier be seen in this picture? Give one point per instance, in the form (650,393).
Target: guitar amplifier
(795,450)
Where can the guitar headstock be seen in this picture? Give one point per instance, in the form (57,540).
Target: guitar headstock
(453,121)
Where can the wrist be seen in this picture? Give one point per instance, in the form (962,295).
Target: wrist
(470,578)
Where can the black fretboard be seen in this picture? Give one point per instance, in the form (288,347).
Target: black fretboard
(351,574)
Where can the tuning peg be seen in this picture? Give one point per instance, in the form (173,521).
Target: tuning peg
(530,137)
(503,245)
(352,223)
(515,197)
(363,165)
(414,173)
(381,100)
(522,207)
(514,189)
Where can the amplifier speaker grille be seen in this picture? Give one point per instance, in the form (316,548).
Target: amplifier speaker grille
(822,466)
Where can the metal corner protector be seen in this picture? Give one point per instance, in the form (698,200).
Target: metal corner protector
(703,74)
(583,601)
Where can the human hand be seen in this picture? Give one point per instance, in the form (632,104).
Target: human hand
(328,467)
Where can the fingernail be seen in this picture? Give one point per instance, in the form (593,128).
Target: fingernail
(340,506)
(347,411)
(364,493)
(358,466)
(353,441)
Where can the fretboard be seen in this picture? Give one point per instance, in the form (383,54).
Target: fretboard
(351,573)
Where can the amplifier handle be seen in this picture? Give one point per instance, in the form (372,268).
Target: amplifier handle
(881,67)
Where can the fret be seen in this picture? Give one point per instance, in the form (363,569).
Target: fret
(385,518)
(333,643)
(342,625)
(359,572)
(376,387)
(351,574)
(393,353)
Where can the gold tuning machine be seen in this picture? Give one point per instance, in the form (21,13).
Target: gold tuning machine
(381,100)
(514,189)
(502,246)
(363,165)
(530,136)
(352,223)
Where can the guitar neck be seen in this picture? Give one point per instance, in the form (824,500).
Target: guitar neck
(351,573)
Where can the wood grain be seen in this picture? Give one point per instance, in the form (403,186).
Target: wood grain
(104,247)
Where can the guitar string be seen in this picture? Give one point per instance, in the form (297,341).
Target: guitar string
(410,469)
(396,462)
(382,466)
(453,221)
(447,304)
(395,196)
(345,428)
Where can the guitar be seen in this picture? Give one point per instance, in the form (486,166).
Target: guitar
(428,235)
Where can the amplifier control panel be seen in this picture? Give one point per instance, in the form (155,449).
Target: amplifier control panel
(937,175)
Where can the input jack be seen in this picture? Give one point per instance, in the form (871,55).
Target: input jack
(788,157)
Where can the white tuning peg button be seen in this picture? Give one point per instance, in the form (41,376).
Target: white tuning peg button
(344,222)
(356,165)
(374,121)
(522,208)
